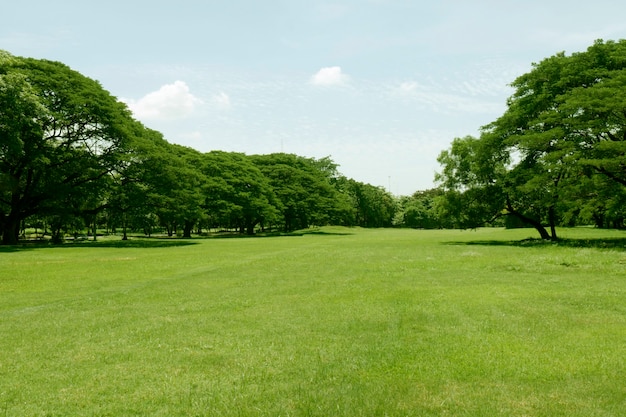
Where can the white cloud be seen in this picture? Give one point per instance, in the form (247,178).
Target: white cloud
(329,76)
(408,87)
(171,101)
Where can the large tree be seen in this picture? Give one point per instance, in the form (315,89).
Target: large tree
(564,124)
(61,134)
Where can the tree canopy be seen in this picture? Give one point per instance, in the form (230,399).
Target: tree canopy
(561,140)
(61,134)
(72,157)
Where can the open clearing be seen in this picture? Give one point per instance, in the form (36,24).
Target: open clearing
(345,322)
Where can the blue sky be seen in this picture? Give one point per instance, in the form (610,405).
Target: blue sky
(380,86)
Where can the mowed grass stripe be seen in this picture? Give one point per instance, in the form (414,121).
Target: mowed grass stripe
(351,322)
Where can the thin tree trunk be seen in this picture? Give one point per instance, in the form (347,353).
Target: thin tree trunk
(552,219)
(124,235)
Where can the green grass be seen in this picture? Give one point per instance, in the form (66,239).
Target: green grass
(343,322)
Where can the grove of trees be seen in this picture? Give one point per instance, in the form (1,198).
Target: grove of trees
(72,158)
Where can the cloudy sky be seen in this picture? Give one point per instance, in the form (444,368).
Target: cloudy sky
(380,86)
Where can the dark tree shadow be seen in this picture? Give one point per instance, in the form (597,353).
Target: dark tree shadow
(322,232)
(143,243)
(604,243)
(236,235)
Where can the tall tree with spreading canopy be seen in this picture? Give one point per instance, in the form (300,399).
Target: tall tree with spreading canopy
(564,124)
(61,134)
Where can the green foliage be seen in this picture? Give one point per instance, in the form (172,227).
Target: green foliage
(237,192)
(421,210)
(70,153)
(72,157)
(303,188)
(62,135)
(373,206)
(563,131)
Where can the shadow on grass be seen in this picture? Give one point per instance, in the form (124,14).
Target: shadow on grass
(301,232)
(606,243)
(324,231)
(143,243)
(161,242)
(235,235)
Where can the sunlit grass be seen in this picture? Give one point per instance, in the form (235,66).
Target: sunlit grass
(346,322)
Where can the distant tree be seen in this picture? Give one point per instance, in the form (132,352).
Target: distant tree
(174,182)
(595,200)
(236,193)
(159,180)
(188,188)
(420,210)
(373,206)
(304,190)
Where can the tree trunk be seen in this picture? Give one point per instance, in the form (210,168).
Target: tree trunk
(11,230)
(537,225)
(534,223)
(598,219)
(124,234)
(57,237)
(187,228)
(552,219)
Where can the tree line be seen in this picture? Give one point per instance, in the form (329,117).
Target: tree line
(72,158)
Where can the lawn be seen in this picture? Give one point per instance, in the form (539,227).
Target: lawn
(344,322)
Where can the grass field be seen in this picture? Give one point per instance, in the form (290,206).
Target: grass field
(345,322)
